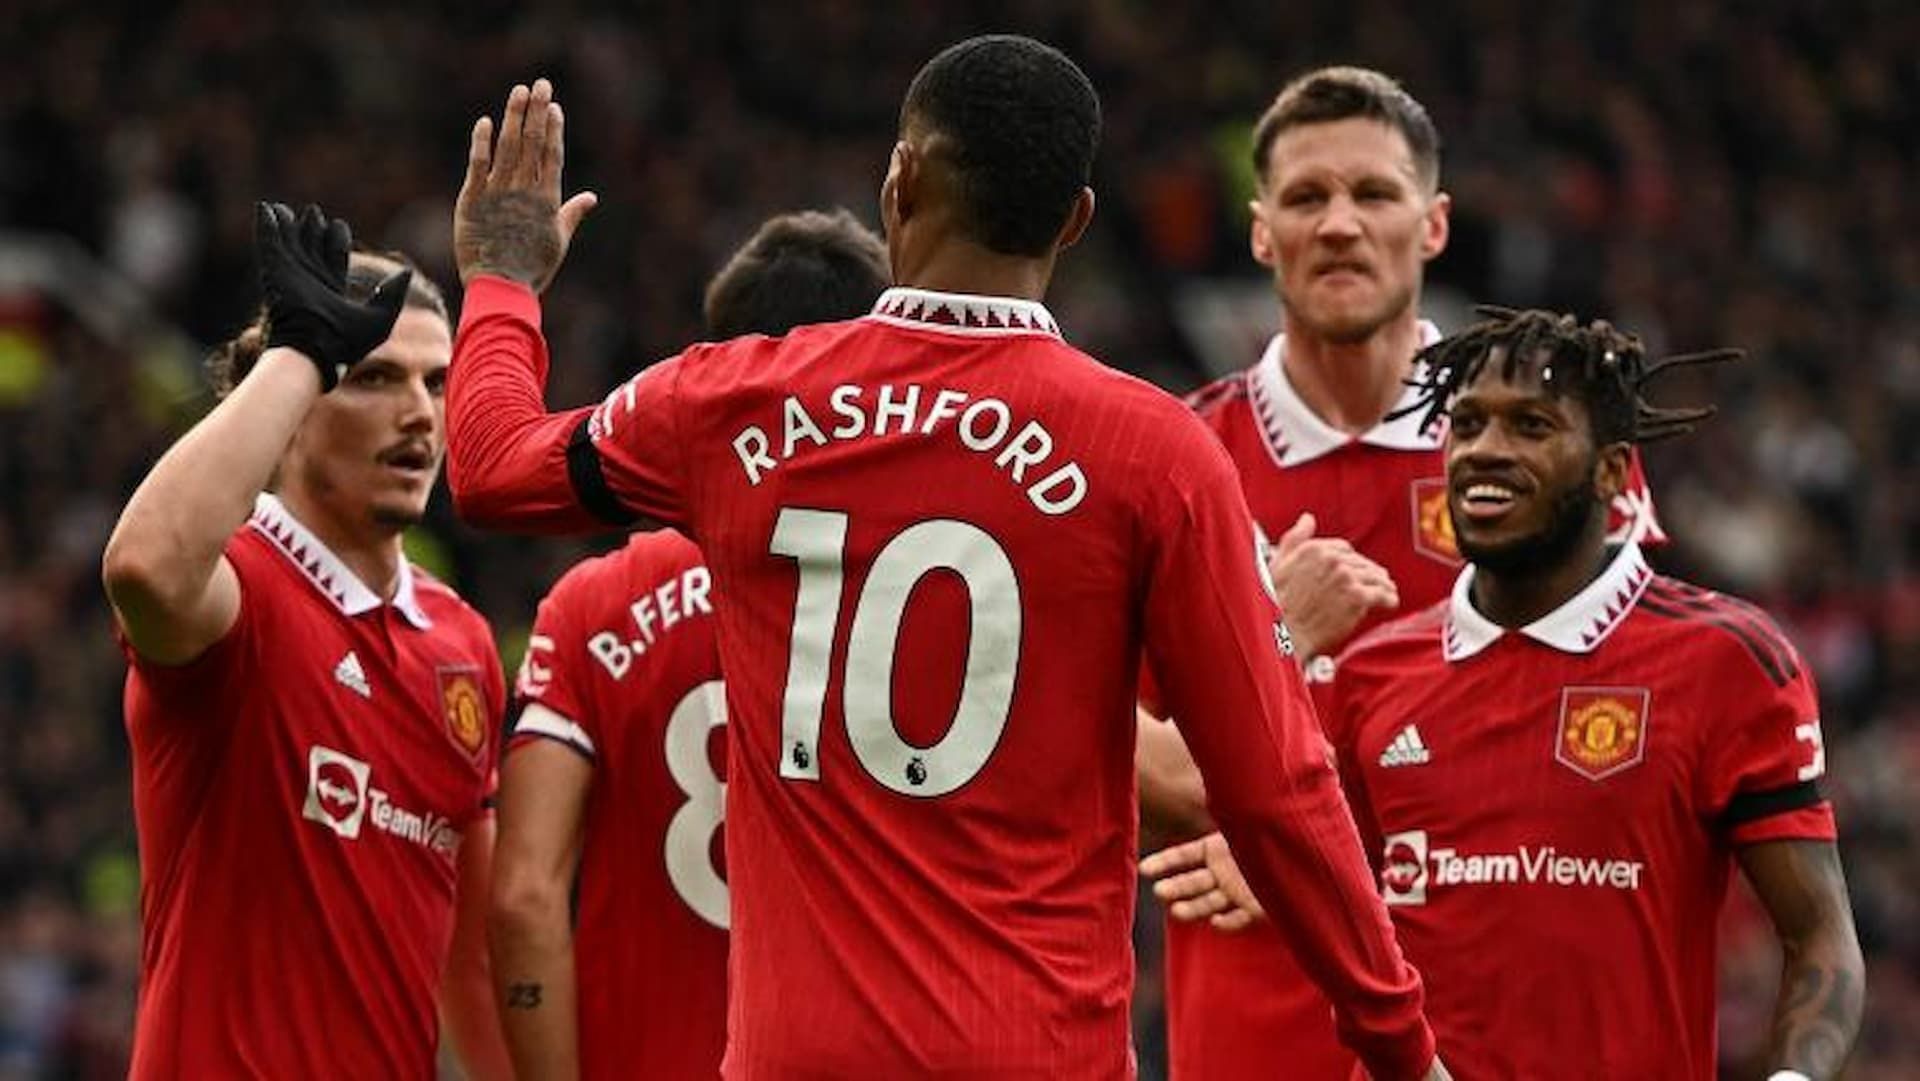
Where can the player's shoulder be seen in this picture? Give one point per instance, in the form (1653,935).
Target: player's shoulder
(1218,397)
(1410,640)
(1166,420)
(270,538)
(446,607)
(796,344)
(1719,629)
(280,568)
(606,581)
(761,363)
(1154,431)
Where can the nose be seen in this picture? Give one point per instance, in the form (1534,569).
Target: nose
(1490,447)
(1341,220)
(419,410)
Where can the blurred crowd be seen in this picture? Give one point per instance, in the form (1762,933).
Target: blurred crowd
(1700,177)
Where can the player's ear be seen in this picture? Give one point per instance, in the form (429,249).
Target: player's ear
(897,190)
(1077,221)
(1260,235)
(1612,467)
(1438,225)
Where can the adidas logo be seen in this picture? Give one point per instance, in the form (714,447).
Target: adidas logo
(1407,749)
(350,675)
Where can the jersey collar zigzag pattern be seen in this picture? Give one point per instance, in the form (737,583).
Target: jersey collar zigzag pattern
(964,313)
(1578,626)
(1296,435)
(328,573)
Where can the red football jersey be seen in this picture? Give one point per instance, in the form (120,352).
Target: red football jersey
(1556,811)
(300,791)
(943,537)
(1236,1001)
(623,656)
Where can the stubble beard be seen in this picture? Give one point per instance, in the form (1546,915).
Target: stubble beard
(1574,512)
(395,518)
(1352,330)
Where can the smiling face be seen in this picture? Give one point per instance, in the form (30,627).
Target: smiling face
(1347,224)
(366,455)
(1526,486)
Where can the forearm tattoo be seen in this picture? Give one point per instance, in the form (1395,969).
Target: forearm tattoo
(512,234)
(1822,992)
(524,996)
(1818,1015)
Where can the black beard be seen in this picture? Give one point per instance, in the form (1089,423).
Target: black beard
(1573,514)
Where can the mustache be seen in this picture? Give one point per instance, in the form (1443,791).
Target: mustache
(408,452)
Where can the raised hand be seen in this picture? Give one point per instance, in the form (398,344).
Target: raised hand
(509,220)
(303,279)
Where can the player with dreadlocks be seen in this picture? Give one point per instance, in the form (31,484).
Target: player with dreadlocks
(1619,411)
(1559,765)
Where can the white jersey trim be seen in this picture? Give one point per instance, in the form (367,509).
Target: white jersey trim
(327,571)
(538,720)
(963,313)
(1296,435)
(1578,626)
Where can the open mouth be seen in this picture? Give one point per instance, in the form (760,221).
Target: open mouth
(1487,500)
(413,459)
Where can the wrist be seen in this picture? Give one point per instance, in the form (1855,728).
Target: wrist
(293,358)
(513,275)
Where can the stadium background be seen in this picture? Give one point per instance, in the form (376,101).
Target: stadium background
(1702,176)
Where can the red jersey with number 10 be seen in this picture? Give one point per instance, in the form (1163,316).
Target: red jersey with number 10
(942,537)
(301,789)
(1556,810)
(623,655)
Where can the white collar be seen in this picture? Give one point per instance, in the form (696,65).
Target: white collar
(963,313)
(1578,626)
(328,572)
(1296,434)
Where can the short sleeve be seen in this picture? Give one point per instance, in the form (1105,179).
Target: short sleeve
(216,674)
(554,675)
(1764,760)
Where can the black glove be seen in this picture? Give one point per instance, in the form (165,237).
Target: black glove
(303,278)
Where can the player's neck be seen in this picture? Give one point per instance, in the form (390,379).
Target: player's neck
(1513,599)
(1352,386)
(958,266)
(372,553)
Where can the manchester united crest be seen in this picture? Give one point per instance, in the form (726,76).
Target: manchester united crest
(464,708)
(1603,730)
(1432,525)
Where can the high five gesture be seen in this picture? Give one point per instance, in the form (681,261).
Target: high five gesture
(509,220)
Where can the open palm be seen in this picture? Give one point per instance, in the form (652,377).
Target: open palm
(509,219)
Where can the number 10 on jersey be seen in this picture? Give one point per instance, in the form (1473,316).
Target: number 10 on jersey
(816,541)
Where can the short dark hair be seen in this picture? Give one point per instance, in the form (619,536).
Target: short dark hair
(233,359)
(806,267)
(1604,368)
(1325,95)
(1023,121)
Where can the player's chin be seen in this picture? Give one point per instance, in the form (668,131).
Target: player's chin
(1504,549)
(1350,319)
(398,512)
